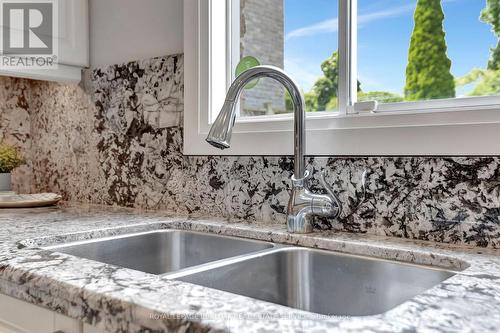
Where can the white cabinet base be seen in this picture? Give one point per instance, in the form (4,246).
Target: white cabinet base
(21,317)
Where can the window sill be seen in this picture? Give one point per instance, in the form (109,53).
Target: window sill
(471,132)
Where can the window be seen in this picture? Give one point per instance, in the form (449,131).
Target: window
(278,32)
(438,50)
(372,84)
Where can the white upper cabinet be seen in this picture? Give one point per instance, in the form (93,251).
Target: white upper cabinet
(70,42)
(74,33)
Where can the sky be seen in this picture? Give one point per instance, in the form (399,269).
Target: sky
(384,31)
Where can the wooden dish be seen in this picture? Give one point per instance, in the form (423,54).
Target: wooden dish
(28,200)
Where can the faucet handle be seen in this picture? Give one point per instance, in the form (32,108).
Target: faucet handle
(330,191)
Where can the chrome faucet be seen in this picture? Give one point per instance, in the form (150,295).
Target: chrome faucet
(303,204)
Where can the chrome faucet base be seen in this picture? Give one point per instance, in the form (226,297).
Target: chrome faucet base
(304,205)
(302,225)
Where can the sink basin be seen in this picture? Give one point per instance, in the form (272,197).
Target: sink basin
(311,280)
(322,282)
(161,252)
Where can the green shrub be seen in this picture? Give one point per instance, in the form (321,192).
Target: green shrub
(10,158)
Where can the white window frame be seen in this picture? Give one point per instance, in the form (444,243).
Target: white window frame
(458,127)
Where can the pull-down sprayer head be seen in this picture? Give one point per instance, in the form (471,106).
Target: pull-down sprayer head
(220,133)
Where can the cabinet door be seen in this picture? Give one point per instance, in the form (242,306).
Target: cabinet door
(20,317)
(73,34)
(72,38)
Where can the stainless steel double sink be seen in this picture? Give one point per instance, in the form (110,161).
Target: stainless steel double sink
(322,282)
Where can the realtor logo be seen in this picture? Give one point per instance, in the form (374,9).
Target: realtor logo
(28,30)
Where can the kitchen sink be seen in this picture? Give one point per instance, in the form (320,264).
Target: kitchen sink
(321,282)
(161,252)
(312,280)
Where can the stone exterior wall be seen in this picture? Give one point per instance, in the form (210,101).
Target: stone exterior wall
(262,36)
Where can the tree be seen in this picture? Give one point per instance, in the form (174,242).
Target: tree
(488,82)
(494,63)
(488,85)
(428,73)
(323,96)
(491,15)
(325,90)
(326,87)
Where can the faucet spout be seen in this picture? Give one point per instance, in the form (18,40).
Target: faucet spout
(303,205)
(220,133)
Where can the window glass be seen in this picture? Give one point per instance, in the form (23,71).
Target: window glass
(299,36)
(412,50)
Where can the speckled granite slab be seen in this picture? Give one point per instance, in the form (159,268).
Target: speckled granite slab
(117,139)
(123,300)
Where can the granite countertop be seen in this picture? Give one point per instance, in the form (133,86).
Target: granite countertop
(124,300)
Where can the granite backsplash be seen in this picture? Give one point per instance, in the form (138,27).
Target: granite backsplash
(116,139)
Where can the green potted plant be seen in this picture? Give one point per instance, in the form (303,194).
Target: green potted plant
(10,158)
